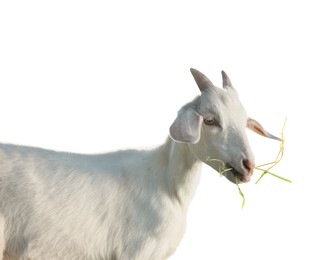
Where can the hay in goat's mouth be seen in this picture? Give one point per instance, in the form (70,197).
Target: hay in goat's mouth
(223,169)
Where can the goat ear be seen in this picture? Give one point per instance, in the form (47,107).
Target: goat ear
(186,128)
(256,127)
(201,80)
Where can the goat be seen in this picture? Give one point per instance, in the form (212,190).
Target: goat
(129,204)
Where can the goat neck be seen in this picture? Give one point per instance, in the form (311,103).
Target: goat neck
(182,171)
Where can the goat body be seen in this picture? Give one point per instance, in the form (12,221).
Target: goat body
(123,205)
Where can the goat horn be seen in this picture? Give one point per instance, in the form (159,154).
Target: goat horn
(201,80)
(225,80)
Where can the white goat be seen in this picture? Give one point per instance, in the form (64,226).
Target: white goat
(121,205)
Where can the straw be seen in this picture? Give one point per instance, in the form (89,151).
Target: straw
(277,160)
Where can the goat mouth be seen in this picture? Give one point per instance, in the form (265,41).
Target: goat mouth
(239,177)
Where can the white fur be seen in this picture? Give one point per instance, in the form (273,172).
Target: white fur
(123,205)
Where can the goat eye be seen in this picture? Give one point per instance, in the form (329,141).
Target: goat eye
(209,121)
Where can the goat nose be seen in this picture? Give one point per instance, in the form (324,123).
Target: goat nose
(249,165)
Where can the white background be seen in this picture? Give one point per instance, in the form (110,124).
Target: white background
(95,76)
